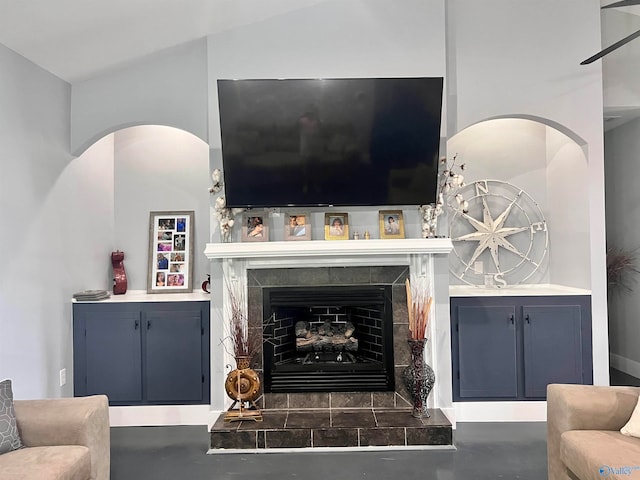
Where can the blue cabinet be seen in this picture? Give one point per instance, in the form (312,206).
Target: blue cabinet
(487,363)
(511,348)
(142,353)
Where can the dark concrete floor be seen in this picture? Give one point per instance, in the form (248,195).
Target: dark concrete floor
(616,377)
(484,451)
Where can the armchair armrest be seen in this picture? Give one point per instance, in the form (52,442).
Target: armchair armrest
(584,407)
(69,421)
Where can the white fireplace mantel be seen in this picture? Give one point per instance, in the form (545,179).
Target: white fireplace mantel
(424,257)
(351,252)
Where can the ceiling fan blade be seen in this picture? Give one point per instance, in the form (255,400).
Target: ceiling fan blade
(610,49)
(623,3)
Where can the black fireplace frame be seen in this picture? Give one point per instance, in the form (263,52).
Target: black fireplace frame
(362,377)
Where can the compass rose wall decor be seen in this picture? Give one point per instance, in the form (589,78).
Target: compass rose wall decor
(501,239)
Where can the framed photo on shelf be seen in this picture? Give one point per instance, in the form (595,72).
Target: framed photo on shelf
(336,226)
(297,226)
(170,252)
(391,224)
(255,227)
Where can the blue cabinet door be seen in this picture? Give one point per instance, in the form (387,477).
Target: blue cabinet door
(174,356)
(552,347)
(112,355)
(486,341)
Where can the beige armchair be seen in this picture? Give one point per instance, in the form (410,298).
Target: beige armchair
(64,438)
(583,432)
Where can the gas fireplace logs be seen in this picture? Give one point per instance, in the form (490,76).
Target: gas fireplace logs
(327,337)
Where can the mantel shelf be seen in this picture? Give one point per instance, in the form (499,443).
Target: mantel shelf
(328,248)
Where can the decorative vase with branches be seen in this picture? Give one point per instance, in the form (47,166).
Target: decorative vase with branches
(418,376)
(242,384)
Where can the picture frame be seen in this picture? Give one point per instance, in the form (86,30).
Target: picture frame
(336,226)
(255,227)
(170,252)
(297,226)
(391,224)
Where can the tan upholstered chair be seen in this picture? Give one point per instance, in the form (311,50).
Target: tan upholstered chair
(64,438)
(583,431)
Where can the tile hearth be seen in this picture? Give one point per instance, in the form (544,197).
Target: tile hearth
(336,428)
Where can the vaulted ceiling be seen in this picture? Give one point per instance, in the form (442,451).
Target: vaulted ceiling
(78,39)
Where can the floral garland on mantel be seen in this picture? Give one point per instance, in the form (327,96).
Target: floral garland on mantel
(224,215)
(449,183)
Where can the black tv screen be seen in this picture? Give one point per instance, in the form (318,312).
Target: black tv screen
(320,142)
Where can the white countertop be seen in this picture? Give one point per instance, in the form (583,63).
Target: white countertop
(515,290)
(143,296)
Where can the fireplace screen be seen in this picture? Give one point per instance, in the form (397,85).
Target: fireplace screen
(328,339)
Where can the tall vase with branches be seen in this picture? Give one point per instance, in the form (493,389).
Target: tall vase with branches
(242,384)
(418,376)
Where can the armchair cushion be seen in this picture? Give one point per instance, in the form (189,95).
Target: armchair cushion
(9,436)
(590,454)
(583,431)
(632,427)
(62,462)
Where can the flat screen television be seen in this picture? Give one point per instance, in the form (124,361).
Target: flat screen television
(330,142)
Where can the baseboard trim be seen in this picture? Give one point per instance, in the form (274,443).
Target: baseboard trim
(164,415)
(159,415)
(625,365)
(500,411)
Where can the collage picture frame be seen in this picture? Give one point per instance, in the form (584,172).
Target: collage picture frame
(170,252)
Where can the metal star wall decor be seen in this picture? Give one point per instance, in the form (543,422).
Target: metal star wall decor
(501,239)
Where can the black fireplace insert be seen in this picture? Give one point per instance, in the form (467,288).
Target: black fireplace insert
(328,339)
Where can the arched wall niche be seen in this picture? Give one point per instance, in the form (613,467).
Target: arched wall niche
(157,168)
(84,145)
(550,164)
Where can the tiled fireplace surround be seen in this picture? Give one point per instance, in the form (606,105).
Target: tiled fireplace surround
(335,276)
(337,419)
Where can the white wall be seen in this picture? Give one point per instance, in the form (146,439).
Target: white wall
(158,169)
(168,88)
(360,38)
(568,211)
(58,227)
(623,217)
(622,99)
(622,68)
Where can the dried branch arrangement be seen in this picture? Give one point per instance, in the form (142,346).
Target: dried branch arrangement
(419,303)
(242,343)
(622,268)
